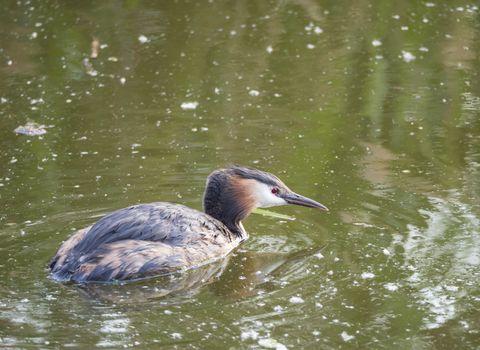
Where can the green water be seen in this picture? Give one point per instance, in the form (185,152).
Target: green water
(370,107)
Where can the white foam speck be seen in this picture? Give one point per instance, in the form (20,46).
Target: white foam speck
(143,39)
(376,43)
(415,277)
(296,300)
(278,308)
(346,337)
(423,49)
(189,105)
(254,93)
(250,334)
(451,288)
(318,255)
(176,335)
(408,56)
(270,343)
(442,306)
(386,251)
(115,326)
(269,49)
(318,30)
(392,287)
(367,275)
(310,46)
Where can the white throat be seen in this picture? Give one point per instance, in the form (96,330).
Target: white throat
(264,197)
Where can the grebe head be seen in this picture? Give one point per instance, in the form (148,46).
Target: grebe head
(232,193)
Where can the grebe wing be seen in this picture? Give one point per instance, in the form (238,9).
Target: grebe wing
(174,224)
(127,259)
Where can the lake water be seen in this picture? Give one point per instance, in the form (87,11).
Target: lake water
(370,107)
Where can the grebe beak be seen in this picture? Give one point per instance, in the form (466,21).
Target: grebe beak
(294,198)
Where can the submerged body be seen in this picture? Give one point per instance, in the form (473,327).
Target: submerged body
(160,238)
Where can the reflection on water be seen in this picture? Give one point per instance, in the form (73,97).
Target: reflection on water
(177,286)
(444,258)
(235,277)
(370,107)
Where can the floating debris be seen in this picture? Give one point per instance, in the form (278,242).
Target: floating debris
(408,56)
(94,48)
(31,129)
(376,43)
(89,68)
(254,93)
(35,101)
(271,343)
(296,300)
(272,214)
(311,27)
(250,334)
(392,287)
(367,275)
(346,337)
(189,105)
(143,39)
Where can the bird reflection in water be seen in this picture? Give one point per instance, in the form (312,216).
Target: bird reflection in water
(234,277)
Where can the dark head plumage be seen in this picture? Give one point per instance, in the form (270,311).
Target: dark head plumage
(255,174)
(232,193)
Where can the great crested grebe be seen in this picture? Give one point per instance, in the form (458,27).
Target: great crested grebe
(154,239)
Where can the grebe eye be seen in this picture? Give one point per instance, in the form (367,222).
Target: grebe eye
(274,190)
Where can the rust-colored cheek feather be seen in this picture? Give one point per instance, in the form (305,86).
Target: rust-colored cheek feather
(242,192)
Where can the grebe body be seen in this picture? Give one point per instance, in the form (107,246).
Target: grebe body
(154,239)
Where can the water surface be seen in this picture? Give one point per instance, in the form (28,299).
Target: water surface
(370,107)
